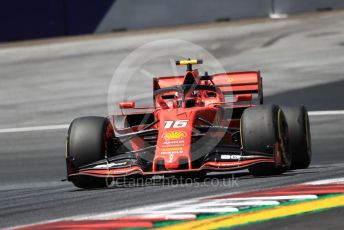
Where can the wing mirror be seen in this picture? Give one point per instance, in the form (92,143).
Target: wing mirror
(243,97)
(127,105)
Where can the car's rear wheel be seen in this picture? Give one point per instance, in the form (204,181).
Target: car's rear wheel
(89,139)
(262,129)
(300,136)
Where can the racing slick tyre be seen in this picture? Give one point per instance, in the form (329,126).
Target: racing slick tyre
(262,127)
(300,136)
(89,140)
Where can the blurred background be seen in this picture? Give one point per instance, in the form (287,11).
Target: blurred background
(58,58)
(21,20)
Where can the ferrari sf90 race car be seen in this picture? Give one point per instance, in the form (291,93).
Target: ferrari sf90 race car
(197,124)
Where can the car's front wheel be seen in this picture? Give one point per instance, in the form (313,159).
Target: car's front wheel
(262,128)
(89,139)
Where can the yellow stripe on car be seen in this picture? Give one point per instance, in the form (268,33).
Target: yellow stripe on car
(187,62)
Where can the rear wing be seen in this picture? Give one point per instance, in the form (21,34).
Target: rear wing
(237,83)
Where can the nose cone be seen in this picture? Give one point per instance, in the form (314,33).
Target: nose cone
(174,140)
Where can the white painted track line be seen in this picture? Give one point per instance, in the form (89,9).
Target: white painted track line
(65,126)
(326,113)
(34,128)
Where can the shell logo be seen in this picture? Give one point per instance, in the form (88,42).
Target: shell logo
(174,135)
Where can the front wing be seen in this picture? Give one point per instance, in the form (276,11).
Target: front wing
(129,164)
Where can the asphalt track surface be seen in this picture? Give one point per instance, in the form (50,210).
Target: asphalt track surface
(301,59)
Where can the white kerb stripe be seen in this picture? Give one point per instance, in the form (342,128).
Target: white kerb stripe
(291,197)
(167,217)
(189,210)
(245,203)
(327,181)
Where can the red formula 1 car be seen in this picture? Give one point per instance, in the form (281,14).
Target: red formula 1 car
(199,123)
